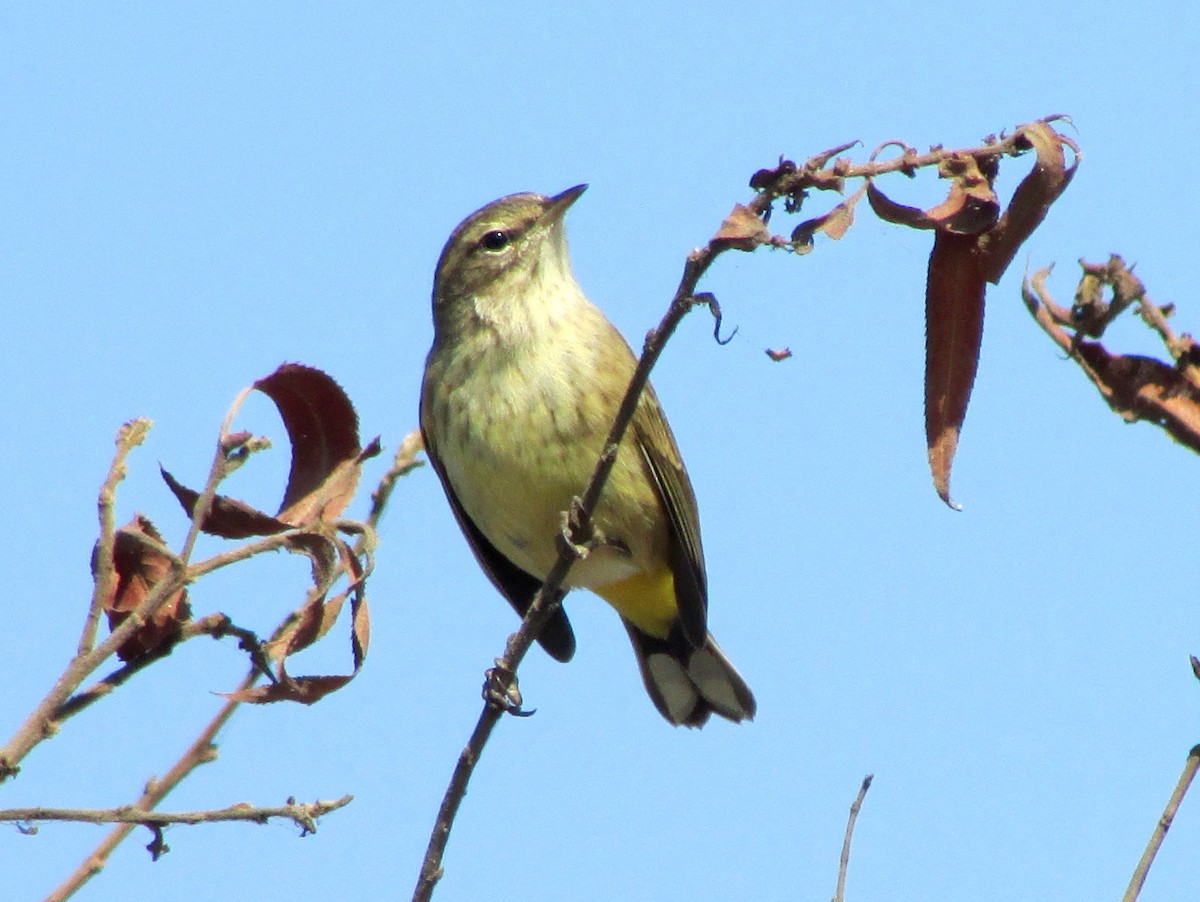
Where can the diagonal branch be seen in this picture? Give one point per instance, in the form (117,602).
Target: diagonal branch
(1163,825)
(1190,767)
(216,625)
(201,751)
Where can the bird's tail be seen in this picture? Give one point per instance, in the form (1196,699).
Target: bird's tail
(688,684)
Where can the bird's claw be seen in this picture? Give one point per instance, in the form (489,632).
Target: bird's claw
(500,691)
(577,534)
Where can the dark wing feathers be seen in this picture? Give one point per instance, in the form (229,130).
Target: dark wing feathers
(661,454)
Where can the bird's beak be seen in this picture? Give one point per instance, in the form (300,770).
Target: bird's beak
(558,205)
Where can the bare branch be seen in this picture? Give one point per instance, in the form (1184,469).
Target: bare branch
(129,437)
(216,625)
(1164,824)
(201,751)
(40,724)
(791,180)
(840,895)
(303,814)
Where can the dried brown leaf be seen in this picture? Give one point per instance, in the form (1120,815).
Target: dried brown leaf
(1032,199)
(307,690)
(315,618)
(835,223)
(765,179)
(309,622)
(1142,388)
(228,517)
(954,304)
(139,568)
(969,208)
(890,211)
(326,458)
(360,635)
(742,230)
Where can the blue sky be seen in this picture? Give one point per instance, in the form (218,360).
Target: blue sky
(192,196)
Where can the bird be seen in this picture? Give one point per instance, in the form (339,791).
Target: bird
(521,386)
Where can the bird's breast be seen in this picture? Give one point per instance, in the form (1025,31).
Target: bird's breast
(518,433)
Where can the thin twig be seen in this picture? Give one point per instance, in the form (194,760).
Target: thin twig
(403,463)
(840,895)
(817,174)
(216,625)
(241,553)
(1163,825)
(201,751)
(129,436)
(303,814)
(40,725)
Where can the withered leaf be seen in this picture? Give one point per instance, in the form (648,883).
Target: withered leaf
(1135,387)
(326,458)
(969,208)
(228,517)
(321,425)
(1031,201)
(307,690)
(954,304)
(972,244)
(766,178)
(890,211)
(835,223)
(742,230)
(314,619)
(1142,388)
(139,568)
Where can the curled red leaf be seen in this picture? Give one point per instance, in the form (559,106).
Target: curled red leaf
(139,568)
(1031,201)
(326,458)
(972,245)
(228,517)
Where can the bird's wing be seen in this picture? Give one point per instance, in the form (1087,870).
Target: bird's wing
(661,454)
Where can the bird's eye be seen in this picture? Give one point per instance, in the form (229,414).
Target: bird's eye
(494,241)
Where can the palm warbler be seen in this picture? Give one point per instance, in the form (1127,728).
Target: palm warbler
(521,387)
